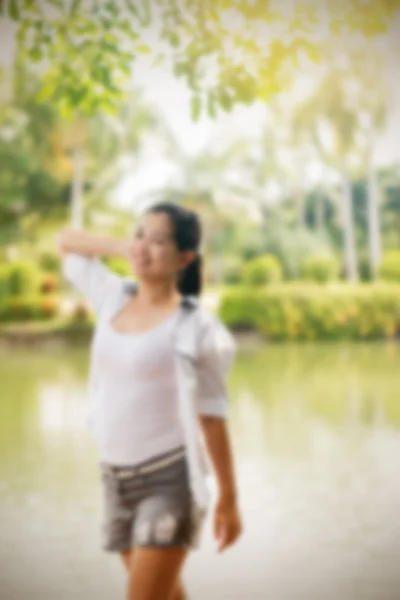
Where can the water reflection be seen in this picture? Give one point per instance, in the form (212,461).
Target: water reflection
(316,434)
(60,412)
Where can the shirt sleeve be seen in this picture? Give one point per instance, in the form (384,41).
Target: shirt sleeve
(90,277)
(215,357)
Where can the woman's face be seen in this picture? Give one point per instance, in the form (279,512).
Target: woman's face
(153,251)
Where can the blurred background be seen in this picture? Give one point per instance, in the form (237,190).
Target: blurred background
(278,122)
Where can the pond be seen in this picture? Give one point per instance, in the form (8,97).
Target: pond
(316,431)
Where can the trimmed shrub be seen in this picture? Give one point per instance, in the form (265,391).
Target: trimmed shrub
(49,283)
(262,270)
(299,311)
(238,307)
(49,307)
(50,261)
(23,278)
(4,281)
(389,269)
(320,268)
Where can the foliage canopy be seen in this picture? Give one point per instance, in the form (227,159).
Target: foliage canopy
(228,51)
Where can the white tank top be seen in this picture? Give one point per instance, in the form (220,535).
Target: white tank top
(138,408)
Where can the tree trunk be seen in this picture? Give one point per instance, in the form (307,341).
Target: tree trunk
(319,210)
(350,255)
(299,202)
(374,232)
(77,188)
(8,36)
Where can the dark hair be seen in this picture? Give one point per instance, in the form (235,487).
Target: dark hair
(187,235)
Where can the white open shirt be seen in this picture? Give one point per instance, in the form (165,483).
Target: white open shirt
(203,350)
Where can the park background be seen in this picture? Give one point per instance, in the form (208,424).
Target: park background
(278,122)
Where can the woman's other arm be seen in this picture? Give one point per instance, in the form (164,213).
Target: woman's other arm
(216,351)
(227,522)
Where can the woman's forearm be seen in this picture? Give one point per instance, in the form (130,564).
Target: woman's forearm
(218,444)
(91,244)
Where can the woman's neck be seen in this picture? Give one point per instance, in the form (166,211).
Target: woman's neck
(161,293)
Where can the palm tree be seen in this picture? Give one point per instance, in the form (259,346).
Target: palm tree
(343,117)
(372,116)
(332,126)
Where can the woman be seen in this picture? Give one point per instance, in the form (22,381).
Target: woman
(141,392)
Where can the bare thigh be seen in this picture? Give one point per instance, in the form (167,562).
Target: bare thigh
(126,558)
(154,573)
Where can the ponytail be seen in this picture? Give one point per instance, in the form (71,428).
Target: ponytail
(186,228)
(190,281)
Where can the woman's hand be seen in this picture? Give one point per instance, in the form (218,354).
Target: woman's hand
(227,522)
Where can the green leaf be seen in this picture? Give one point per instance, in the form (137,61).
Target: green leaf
(36,54)
(225,100)
(180,68)
(30,6)
(143,49)
(195,108)
(44,93)
(109,48)
(77,96)
(107,23)
(174,39)
(158,59)
(127,28)
(145,17)
(111,8)
(132,8)
(13,9)
(75,7)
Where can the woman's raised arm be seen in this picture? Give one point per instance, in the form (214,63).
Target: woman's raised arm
(81,265)
(91,244)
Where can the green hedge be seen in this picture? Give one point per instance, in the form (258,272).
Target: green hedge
(389,269)
(19,278)
(49,283)
(301,311)
(320,268)
(23,277)
(50,261)
(262,270)
(28,308)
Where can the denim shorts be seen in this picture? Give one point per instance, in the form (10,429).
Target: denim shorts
(151,509)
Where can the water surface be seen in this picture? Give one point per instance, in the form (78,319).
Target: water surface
(316,431)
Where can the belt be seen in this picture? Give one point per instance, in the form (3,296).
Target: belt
(155,465)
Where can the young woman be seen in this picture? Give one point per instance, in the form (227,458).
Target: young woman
(156,354)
